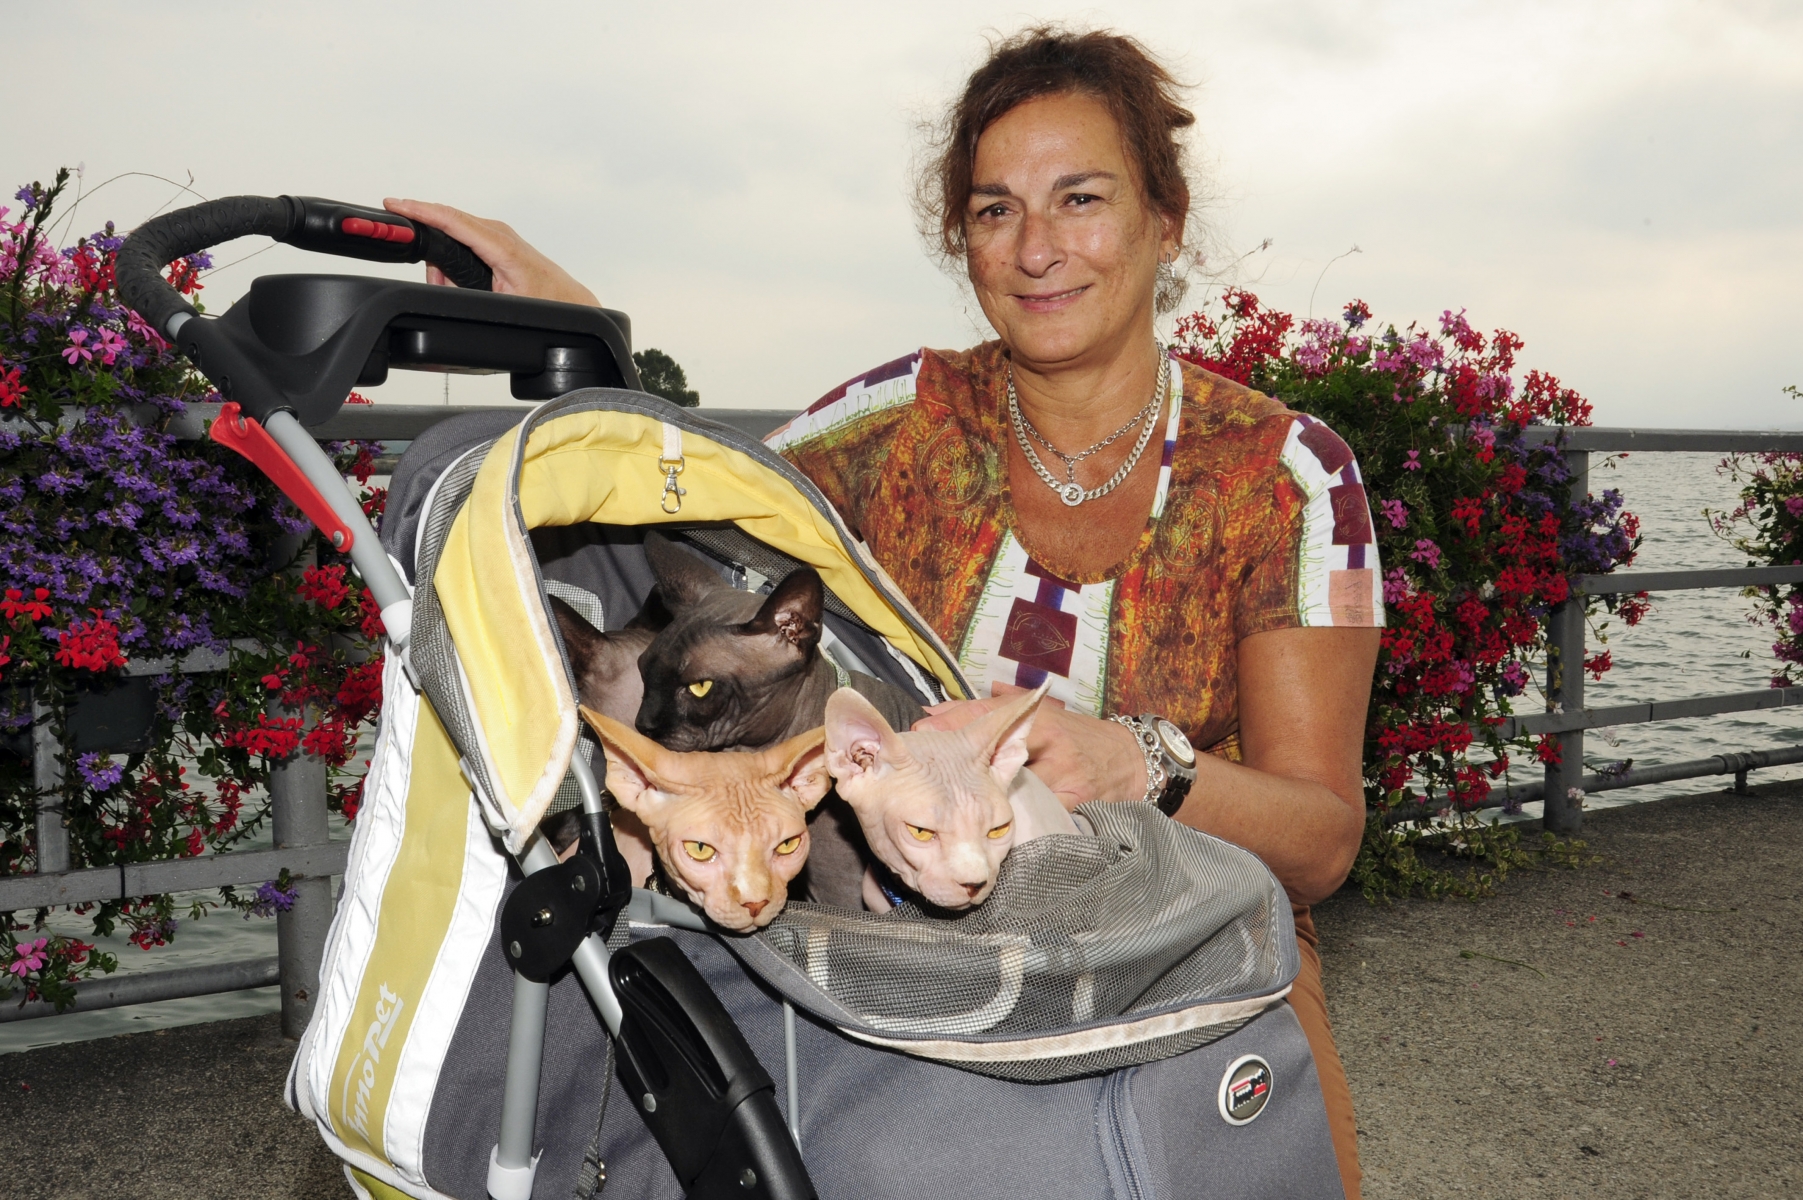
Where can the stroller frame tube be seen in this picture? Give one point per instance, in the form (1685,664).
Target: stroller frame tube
(513,1162)
(392,595)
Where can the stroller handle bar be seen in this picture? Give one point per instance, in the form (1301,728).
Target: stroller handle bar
(327,226)
(330,227)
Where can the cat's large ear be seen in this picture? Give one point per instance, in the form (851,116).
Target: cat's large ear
(1001,737)
(632,774)
(653,614)
(800,763)
(857,736)
(580,638)
(792,612)
(682,578)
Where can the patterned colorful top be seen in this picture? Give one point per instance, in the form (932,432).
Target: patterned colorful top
(1260,522)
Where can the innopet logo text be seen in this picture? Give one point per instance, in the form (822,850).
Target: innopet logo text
(362,1075)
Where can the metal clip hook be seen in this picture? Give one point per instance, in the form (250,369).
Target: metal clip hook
(672,498)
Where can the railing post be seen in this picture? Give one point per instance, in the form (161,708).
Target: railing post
(47,778)
(1565,686)
(297,804)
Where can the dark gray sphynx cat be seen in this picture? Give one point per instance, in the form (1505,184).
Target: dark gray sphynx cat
(737,671)
(733,670)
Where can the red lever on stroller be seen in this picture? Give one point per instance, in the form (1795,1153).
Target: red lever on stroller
(235,431)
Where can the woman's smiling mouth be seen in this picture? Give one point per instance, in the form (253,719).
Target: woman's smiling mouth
(1050,300)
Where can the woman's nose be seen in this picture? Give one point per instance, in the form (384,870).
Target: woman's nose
(1037,251)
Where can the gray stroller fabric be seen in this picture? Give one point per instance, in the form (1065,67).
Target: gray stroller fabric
(1092,954)
(878,1125)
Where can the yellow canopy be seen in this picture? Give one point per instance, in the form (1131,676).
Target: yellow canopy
(602,464)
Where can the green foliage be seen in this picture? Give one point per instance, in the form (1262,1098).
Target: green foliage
(660,375)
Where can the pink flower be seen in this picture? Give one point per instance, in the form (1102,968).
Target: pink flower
(1396,585)
(141,327)
(1794,505)
(1396,512)
(111,346)
(78,351)
(1425,353)
(1426,552)
(31,957)
(1414,462)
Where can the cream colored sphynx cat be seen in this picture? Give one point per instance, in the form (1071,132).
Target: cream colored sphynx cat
(730,827)
(940,809)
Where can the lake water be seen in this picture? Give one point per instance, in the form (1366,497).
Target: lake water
(1692,643)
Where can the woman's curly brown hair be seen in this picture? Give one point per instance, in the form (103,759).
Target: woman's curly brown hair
(1048,60)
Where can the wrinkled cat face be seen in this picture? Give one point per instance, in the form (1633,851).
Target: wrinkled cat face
(933,805)
(731,828)
(718,674)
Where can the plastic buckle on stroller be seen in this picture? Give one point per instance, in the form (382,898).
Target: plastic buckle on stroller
(671,463)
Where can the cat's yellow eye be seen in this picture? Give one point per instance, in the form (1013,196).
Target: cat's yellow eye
(920,835)
(789,846)
(701,687)
(1001,831)
(699,851)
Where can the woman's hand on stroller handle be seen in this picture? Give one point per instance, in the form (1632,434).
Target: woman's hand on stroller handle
(520,269)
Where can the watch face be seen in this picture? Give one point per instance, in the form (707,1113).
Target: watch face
(1175,744)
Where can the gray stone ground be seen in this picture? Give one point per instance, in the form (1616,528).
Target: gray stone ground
(1653,1050)
(1611,1065)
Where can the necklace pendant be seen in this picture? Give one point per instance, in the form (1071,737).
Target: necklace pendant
(1071,494)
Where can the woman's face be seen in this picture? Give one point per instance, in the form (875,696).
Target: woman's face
(1063,248)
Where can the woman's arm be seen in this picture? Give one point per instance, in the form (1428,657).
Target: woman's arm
(1298,800)
(519,269)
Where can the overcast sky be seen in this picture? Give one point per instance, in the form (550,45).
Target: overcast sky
(1617,182)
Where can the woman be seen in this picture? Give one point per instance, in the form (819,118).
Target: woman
(1069,502)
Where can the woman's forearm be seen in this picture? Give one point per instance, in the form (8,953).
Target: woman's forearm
(1305,833)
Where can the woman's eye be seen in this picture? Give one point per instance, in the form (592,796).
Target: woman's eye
(789,846)
(701,687)
(699,851)
(1001,831)
(1081,200)
(920,835)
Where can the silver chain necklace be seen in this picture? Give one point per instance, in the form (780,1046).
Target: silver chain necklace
(1072,492)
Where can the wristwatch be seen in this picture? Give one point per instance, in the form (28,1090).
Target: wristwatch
(1170,760)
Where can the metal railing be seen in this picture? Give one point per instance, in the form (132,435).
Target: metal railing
(298,786)
(1566,782)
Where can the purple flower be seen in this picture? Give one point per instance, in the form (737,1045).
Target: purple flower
(99,770)
(1396,585)
(270,900)
(1514,679)
(1396,511)
(27,196)
(1426,552)
(1794,505)
(1414,461)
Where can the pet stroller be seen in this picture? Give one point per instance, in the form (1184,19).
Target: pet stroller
(1111,1022)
